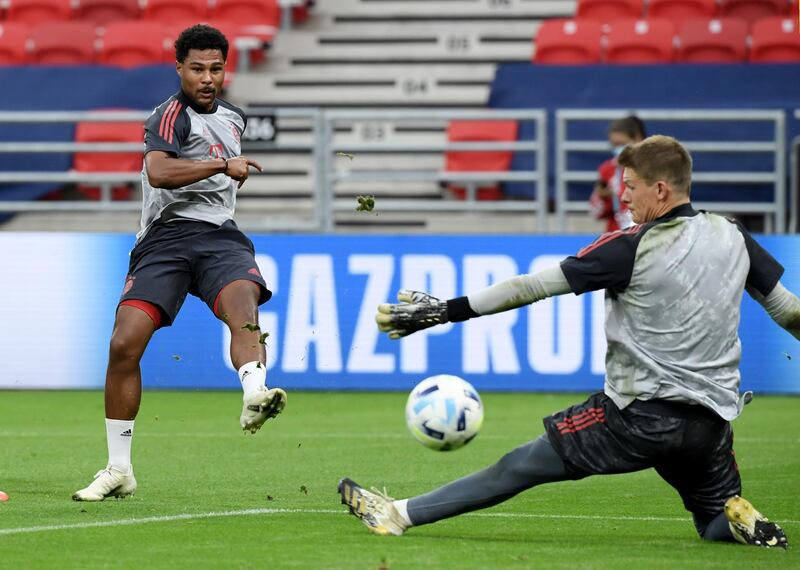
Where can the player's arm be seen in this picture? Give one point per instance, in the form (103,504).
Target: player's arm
(169,172)
(782,305)
(418,310)
(607,263)
(166,171)
(763,284)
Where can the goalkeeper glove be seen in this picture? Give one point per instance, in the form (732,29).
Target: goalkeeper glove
(418,310)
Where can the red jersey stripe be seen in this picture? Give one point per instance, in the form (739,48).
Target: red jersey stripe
(171,127)
(165,119)
(605,238)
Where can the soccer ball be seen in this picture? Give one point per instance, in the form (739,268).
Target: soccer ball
(444,412)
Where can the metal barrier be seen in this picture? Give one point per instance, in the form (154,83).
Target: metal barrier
(774,212)
(334,176)
(326,142)
(106,180)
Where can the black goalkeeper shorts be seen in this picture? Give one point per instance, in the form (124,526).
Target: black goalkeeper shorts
(187,256)
(690,446)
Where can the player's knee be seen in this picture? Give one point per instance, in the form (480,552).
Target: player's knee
(125,347)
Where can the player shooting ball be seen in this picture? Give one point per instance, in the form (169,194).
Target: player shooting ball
(188,243)
(674,286)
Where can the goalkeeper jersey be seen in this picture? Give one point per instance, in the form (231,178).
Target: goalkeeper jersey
(673,296)
(183,130)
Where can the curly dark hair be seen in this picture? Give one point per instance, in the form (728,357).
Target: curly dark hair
(200,37)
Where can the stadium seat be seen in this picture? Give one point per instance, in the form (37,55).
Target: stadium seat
(170,11)
(753,10)
(106,161)
(13,43)
(63,43)
(720,40)
(775,40)
(681,10)
(128,44)
(570,42)
(37,11)
(605,11)
(483,161)
(248,12)
(640,41)
(101,12)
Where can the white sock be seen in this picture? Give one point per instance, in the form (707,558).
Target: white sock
(253,375)
(402,509)
(119,434)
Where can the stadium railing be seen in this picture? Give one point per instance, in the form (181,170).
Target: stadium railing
(341,172)
(326,144)
(568,146)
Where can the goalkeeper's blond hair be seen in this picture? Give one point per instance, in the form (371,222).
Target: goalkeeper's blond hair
(657,158)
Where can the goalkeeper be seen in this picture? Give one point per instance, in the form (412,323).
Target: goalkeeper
(674,285)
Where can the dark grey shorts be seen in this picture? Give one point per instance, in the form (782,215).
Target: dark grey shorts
(186,256)
(689,446)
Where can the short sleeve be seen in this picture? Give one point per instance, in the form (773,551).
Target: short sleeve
(607,263)
(167,128)
(765,270)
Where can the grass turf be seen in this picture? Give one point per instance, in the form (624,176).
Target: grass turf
(191,459)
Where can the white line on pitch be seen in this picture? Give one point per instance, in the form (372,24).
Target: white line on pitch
(252,512)
(321,435)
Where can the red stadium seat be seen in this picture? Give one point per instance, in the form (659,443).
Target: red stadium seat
(752,10)
(640,41)
(36,11)
(605,11)
(775,40)
(681,10)
(13,43)
(721,40)
(107,161)
(101,12)
(128,44)
(570,42)
(248,12)
(483,161)
(170,11)
(63,43)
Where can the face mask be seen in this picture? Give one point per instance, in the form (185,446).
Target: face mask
(617,150)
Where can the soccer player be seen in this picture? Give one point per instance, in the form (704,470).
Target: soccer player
(188,243)
(674,284)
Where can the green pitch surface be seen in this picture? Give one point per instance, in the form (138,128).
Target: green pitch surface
(211,497)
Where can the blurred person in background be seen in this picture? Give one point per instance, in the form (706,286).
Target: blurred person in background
(605,201)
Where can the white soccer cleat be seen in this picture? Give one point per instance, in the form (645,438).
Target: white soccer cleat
(748,526)
(260,406)
(108,482)
(375,510)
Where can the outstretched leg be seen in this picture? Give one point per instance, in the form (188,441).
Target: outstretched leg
(531,464)
(237,306)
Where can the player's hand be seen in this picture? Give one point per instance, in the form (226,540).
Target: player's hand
(416,311)
(239,168)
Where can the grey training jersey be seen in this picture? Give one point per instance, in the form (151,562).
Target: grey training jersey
(178,127)
(673,295)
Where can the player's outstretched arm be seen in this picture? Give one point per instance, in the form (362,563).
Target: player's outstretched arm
(782,305)
(418,310)
(166,171)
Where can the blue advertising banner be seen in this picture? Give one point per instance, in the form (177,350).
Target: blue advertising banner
(60,292)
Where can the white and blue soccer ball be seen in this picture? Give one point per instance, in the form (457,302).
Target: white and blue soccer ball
(444,412)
